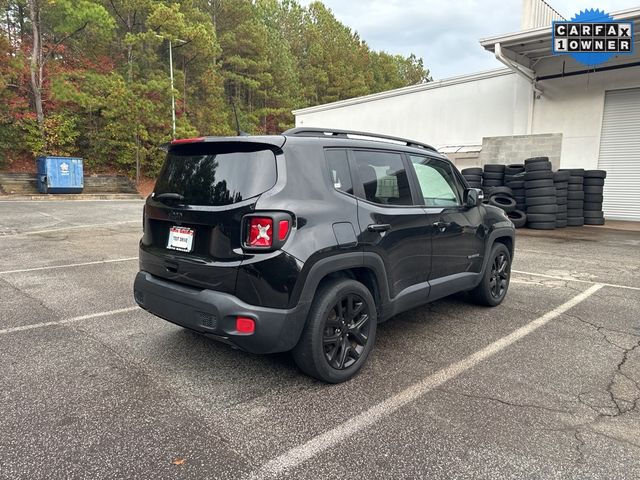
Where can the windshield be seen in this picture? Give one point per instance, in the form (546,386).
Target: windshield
(216,178)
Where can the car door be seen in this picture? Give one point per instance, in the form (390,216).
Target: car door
(458,231)
(392,222)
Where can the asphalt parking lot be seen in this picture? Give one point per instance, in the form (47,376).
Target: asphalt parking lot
(545,386)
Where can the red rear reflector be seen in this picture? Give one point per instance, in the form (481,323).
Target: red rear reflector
(187,140)
(245,325)
(260,232)
(283,229)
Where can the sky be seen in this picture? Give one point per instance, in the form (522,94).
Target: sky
(445,33)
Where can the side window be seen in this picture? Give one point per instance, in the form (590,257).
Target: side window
(383,177)
(437,182)
(338,164)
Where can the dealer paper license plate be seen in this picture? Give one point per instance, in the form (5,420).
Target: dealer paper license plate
(180,238)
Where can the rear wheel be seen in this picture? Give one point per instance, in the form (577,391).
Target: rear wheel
(495,282)
(340,332)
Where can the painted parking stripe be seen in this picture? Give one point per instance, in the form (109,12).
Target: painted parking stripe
(570,279)
(73,227)
(279,466)
(70,265)
(66,321)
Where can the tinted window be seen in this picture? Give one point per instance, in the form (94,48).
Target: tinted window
(437,182)
(383,177)
(222,178)
(338,164)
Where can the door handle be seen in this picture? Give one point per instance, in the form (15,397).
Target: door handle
(379,227)
(442,226)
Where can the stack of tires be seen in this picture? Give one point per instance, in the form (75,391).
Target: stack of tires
(473,176)
(540,194)
(493,176)
(502,197)
(575,204)
(514,179)
(561,183)
(593,187)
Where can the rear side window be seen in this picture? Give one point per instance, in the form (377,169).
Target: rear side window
(338,164)
(204,176)
(383,177)
(437,182)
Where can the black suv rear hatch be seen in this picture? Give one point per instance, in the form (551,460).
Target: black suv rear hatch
(203,191)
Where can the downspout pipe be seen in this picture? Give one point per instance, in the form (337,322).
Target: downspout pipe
(521,70)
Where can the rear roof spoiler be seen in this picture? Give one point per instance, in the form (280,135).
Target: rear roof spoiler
(276,141)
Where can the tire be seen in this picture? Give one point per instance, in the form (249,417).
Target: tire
(518,218)
(493,176)
(471,171)
(561,176)
(514,169)
(593,182)
(547,182)
(540,192)
(574,180)
(542,225)
(575,195)
(537,166)
(495,168)
(541,217)
(505,202)
(501,190)
(535,201)
(561,223)
(535,160)
(492,183)
(560,200)
(562,209)
(539,175)
(574,172)
(593,214)
(594,221)
(575,213)
(473,178)
(561,185)
(495,281)
(592,197)
(593,206)
(574,204)
(309,354)
(595,174)
(553,209)
(515,184)
(574,187)
(575,221)
(592,189)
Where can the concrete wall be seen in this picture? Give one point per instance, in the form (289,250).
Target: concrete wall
(515,148)
(453,112)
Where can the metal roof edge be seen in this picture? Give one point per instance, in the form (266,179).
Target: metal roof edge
(535,33)
(445,82)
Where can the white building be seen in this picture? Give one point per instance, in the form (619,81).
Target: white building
(540,104)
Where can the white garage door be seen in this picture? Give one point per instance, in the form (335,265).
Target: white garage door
(620,154)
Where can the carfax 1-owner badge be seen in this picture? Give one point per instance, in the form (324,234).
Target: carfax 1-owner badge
(592,37)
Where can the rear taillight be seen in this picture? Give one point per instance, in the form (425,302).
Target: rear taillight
(260,232)
(266,230)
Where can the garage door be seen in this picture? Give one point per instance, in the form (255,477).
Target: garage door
(620,154)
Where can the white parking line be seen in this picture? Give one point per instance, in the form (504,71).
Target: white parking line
(33,326)
(70,265)
(570,279)
(278,467)
(73,227)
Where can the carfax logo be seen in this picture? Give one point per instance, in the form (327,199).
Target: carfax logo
(592,37)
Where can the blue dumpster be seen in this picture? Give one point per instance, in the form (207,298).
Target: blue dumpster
(60,175)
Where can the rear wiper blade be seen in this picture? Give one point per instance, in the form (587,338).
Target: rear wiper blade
(169,196)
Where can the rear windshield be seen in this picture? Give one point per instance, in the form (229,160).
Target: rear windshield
(206,177)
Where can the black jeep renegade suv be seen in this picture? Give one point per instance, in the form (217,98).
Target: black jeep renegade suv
(306,240)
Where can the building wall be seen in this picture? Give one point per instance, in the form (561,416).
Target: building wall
(454,114)
(515,148)
(574,106)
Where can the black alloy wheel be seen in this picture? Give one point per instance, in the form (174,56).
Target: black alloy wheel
(499,279)
(346,331)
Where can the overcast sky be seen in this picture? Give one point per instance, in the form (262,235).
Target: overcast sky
(445,33)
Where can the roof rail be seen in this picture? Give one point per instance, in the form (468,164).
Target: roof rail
(324,132)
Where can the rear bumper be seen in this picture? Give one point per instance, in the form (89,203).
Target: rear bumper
(214,314)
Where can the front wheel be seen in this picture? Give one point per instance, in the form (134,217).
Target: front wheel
(340,332)
(495,281)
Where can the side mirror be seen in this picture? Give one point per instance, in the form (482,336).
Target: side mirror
(473,197)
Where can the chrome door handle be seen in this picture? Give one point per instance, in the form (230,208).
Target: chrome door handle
(379,227)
